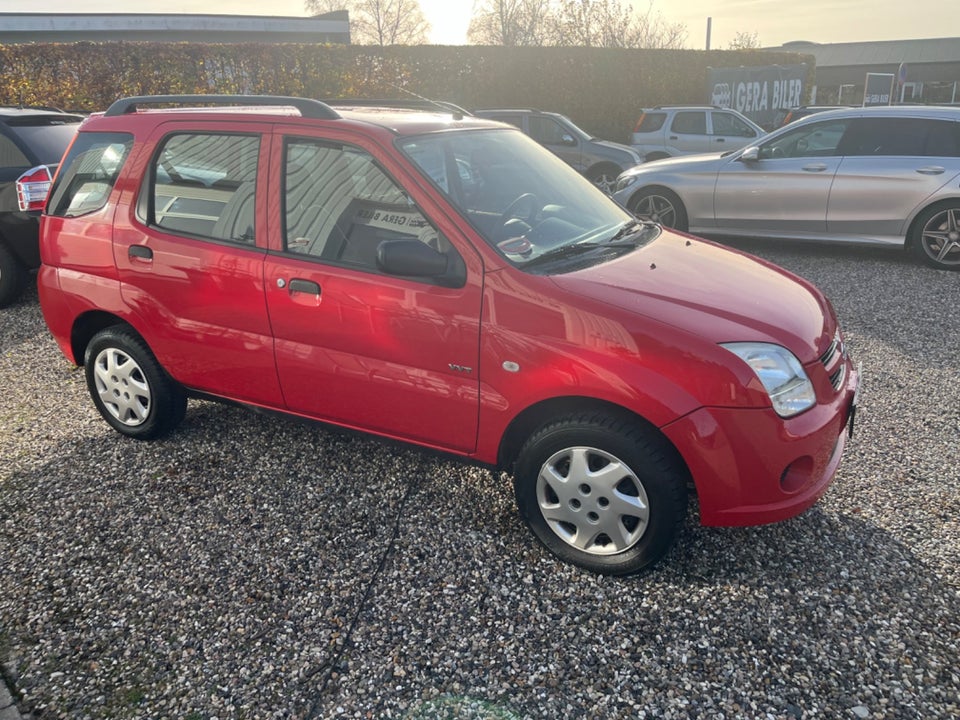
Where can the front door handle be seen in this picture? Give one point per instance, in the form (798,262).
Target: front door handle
(931,170)
(309,287)
(815,167)
(140,251)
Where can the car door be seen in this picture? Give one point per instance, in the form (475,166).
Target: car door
(729,132)
(189,254)
(687,133)
(558,139)
(354,346)
(890,165)
(785,189)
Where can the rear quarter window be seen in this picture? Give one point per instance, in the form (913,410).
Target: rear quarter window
(88,173)
(651,122)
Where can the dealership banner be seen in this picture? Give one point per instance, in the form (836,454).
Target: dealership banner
(878,89)
(761,93)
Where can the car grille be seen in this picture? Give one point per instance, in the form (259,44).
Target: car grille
(833,362)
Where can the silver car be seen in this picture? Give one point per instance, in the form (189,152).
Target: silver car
(886,175)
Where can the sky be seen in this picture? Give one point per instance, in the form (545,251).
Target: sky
(774,21)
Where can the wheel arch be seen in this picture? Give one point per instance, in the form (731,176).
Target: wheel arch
(910,239)
(603,165)
(89,324)
(528,420)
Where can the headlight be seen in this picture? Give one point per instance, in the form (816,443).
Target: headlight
(780,372)
(625,181)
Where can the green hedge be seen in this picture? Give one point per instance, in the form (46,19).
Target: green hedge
(600,89)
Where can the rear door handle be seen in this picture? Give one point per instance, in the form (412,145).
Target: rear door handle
(140,251)
(931,170)
(721,139)
(816,167)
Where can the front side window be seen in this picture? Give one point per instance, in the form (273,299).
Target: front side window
(88,173)
(815,140)
(547,130)
(690,123)
(339,205)
(204,185)
(731,126)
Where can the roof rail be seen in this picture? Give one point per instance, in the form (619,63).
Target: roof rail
(401,103)
(308,108)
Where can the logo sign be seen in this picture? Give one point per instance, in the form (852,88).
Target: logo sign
(878,89)
(761,93)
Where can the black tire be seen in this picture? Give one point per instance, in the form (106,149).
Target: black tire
(130,389)
(600,524)
(659,205)
(655,156)
(935,239)
(13,277)
(605,177)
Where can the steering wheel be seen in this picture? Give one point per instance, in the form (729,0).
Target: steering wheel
(514,209)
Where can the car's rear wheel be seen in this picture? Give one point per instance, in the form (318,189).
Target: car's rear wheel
(936,236)
(659,205)
(603,493)
(12,277)
(130,389)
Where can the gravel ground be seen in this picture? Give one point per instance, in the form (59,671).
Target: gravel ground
(254,567)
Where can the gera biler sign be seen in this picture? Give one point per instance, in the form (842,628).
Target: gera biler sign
(761,93)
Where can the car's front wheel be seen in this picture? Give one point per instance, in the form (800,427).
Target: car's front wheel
(936,236)
(659,205)
(603,493)
(605,177)
(131,390)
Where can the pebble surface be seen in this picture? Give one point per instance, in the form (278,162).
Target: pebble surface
(255,567)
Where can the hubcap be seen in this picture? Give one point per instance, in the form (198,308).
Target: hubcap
(605,182)
(592,501)
(122,387)
(941,237)
(658,209)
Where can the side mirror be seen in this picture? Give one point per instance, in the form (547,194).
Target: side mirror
(412,258)
(751,154)
(568,140)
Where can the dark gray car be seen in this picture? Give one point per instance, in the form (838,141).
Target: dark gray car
(600,161)
(29,137)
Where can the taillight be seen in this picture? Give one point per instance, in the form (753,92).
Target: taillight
(33,187)
(639,123)
(787,119)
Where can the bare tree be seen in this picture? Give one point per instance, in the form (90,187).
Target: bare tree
(509,22)
(744,40)
(379,22)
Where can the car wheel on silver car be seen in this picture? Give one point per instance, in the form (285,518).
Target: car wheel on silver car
(606,494)
(936,237)
(129,387)
(661,206)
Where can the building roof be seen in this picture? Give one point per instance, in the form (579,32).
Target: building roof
(94,27)
(884,52)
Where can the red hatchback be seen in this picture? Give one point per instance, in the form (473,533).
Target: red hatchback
(445,281)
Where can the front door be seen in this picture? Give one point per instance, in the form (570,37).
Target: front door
(354,346)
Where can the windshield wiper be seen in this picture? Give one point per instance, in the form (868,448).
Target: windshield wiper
(631,228)
(580,248)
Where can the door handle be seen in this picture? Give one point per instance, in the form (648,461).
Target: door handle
(931,170)
(816,167)
(309,287)
(140,251)
(673,137)
(721,140)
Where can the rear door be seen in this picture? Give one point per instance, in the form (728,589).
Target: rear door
(890,166)
(687,133)
(190,253)
(354,346)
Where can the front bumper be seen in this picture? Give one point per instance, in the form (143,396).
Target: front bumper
(752,467)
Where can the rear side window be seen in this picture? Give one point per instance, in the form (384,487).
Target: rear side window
(650,122)
(915,137)
(204,185)
(88,173)
(690,123)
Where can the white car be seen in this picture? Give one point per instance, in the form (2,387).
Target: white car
(663,131)
(887,175)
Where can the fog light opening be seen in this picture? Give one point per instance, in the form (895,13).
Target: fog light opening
(797,474)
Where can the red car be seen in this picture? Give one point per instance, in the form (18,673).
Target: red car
(445,281)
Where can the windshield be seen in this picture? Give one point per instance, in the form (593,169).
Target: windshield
(522,199)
